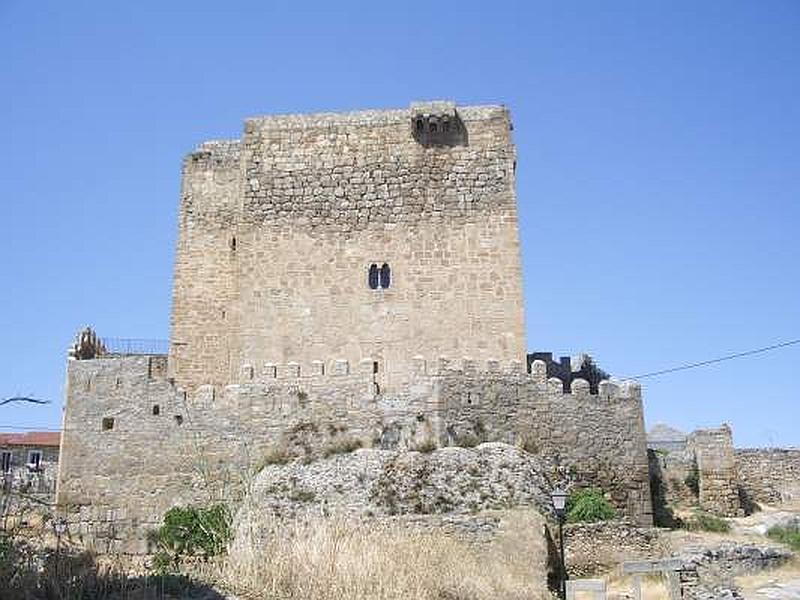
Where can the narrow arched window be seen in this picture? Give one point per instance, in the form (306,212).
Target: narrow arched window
(386,276)
(373,277)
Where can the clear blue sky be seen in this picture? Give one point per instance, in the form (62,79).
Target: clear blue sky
(658,176)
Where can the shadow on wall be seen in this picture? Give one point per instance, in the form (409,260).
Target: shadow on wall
(662,513)
(554,568)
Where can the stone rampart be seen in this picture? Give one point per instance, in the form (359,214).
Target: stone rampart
(134,443)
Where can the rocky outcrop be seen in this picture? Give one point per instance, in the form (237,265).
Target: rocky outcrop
(383,483)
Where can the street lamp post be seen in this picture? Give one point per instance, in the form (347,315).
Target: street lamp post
(559,498)
(59,527)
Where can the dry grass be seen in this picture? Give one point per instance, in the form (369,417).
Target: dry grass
(654,587)
(327,559)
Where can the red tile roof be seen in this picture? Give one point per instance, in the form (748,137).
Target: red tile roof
(31,438)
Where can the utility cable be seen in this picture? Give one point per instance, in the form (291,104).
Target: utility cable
(717,360)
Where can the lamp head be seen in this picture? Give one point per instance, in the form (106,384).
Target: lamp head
(60,526)
(559,498)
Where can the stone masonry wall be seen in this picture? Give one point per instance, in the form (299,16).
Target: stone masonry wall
(595,440)
(118,477)
(203,318)
(716,464)
(769,475)
(311,202)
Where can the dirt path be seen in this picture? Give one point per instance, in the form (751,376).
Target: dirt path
(786,590)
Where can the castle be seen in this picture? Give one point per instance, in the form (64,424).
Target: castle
(349,277)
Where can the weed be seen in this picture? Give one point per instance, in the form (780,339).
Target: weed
(789,535)
(341,446)
(692,480)
(301,495)
(702,521)
(588,505)
(276,455)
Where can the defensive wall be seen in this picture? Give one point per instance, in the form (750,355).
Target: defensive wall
(134,443)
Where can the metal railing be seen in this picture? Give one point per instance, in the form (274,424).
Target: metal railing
(129,346)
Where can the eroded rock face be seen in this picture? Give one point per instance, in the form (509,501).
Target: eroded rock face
(383,483)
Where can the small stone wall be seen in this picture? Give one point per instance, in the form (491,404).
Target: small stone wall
(594,548)
(708,573)
(770,475)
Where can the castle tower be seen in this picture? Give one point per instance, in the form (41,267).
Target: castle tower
(376,235)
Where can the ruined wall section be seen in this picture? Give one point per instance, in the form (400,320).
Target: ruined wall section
(204,291)
(326,196)
(770,475)
(716,465)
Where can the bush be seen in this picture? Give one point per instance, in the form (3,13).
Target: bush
(587,506)
(276,455)
(789,535)
(702,521)
(528,444)
(466,440)
(342,446)
(191,531)
(426,446)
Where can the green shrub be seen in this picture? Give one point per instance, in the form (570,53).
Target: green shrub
(702,521)
(588,505)
(786,535)
(191,531)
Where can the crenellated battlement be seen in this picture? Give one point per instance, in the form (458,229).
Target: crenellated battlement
(320,371)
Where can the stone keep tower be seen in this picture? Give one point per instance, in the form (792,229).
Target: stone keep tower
(369,236)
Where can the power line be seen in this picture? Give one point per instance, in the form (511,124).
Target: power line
(718,360)
(23,399)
